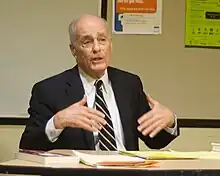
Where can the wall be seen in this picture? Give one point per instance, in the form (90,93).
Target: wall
(9,141)
(34,45)
(185,79)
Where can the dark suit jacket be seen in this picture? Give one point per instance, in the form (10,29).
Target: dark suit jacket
(58,92)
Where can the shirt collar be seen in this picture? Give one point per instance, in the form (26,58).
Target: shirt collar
(88,81)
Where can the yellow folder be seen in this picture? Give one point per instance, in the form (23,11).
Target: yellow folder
(171,155)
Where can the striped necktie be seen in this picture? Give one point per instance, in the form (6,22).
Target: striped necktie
(106,134)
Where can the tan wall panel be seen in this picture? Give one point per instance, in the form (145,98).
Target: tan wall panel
(185,79)
(192,139)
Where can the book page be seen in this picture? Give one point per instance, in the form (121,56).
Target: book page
(94,160)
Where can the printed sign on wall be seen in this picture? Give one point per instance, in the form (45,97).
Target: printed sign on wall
(137,16)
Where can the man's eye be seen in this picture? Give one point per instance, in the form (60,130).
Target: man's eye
(102,39)
(86,42)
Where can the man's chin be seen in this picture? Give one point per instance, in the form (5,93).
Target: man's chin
(99,72)
(99,67)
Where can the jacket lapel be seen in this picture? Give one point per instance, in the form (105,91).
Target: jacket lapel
(122,100)
(75,93)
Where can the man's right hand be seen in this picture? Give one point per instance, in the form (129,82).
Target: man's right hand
(79,116)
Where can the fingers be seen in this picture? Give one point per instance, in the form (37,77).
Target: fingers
(151,101)
(92,123)
(93,115)
(146,123)
(78,122)
(146,117)
(153,129)
(81,121)
(158,118)
(90,112)
(95,112)
(150,123)
(80,116)
(83,118)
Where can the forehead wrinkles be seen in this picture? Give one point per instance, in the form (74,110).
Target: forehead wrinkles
(91,28)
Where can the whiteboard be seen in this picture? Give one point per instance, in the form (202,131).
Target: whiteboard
(34,45)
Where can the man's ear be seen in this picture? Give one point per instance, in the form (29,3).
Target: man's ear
(73,51)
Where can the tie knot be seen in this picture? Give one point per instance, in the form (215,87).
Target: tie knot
(98,84)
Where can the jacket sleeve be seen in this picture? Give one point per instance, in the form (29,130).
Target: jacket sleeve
(34,136)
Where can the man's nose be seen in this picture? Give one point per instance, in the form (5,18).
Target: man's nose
(96,46)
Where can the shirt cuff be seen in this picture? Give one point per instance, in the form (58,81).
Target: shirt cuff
(51,132)
(173,130)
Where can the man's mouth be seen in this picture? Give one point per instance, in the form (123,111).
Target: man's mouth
(97,58)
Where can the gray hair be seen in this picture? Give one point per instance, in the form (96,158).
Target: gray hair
(72,29)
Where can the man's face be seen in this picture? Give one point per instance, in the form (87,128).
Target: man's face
(92,48)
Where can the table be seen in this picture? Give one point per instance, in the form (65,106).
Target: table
(164,168)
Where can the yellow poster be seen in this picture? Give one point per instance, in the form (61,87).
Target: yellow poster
(202,23)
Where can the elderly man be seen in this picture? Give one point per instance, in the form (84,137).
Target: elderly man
(93,106)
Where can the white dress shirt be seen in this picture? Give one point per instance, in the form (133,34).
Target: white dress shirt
(90,90)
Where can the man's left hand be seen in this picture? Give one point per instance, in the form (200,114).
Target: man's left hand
(158,118)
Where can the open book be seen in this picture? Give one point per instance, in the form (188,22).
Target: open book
(44,157)
(97,160)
